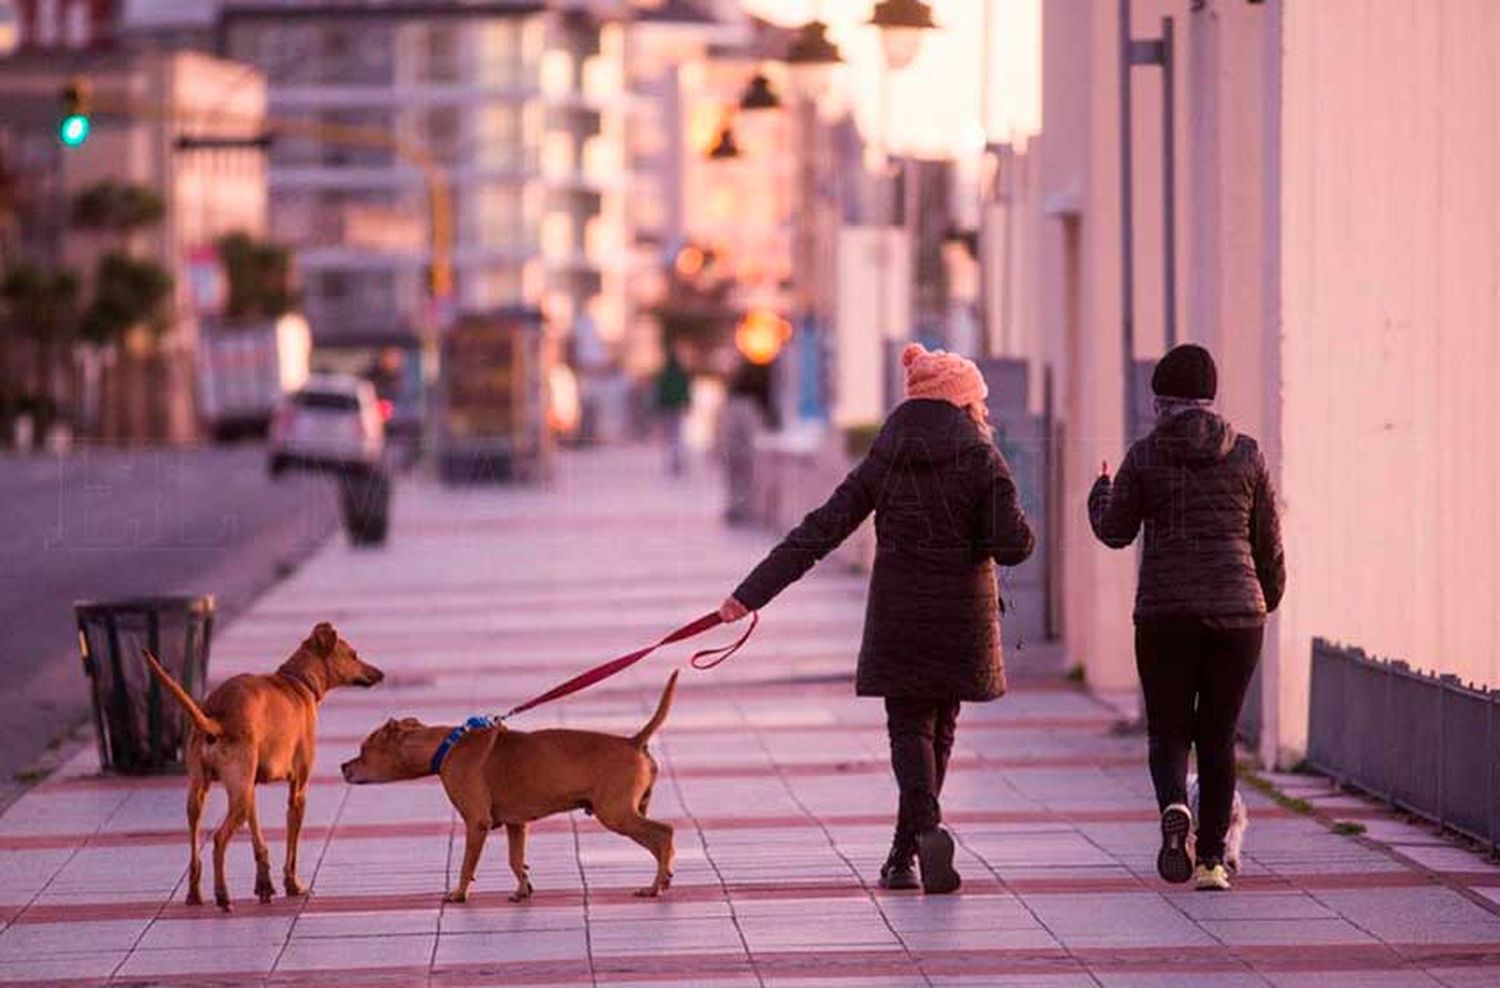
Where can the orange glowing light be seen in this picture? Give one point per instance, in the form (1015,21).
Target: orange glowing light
(689,262)
(761,335)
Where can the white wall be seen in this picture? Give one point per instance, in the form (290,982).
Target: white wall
(1390,262)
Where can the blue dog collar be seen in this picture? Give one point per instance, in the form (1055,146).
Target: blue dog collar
(472,724)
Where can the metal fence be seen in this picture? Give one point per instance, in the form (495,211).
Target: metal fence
(1423,743)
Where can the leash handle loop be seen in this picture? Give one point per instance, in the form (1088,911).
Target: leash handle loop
(605,670)
(700,659)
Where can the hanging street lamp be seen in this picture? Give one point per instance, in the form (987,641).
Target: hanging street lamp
(725,148)
(759,95)
(812,59)
(902,24)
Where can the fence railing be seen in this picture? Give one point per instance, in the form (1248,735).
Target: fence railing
(1423,743)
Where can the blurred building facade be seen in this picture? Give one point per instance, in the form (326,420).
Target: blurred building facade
(142,103)
(461,82)
(1335,254)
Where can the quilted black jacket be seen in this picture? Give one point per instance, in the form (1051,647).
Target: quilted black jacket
(946,511)
(1212,544)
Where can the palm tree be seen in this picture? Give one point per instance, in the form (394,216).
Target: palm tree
(114,207)
(127,292)
(41,306)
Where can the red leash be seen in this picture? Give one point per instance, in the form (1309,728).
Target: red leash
(604,670)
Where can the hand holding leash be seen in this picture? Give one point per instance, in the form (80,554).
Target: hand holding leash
(732,610)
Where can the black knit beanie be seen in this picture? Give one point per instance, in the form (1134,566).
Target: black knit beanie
(1187,371)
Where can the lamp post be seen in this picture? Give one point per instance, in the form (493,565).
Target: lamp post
(811,61)
(902,24)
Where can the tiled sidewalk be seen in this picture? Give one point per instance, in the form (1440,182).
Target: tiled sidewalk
(773,774)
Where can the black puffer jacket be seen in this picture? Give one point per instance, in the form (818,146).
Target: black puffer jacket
(946,511)
(1212,535)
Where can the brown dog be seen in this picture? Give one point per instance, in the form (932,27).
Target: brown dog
(255,729)
(495,776)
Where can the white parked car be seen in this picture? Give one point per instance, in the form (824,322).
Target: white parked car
(333,422)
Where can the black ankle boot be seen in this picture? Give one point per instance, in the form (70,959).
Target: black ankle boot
(899,870)
(935,854)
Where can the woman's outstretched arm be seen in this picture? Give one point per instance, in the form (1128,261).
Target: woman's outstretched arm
(818,535)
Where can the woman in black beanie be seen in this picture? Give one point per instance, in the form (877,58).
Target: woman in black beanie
(1211,569)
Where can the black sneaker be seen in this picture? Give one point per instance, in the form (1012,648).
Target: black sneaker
(899,873)
(935,857)
(1173,862)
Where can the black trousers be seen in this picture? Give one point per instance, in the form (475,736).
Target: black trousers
(921,733)
(1194,677)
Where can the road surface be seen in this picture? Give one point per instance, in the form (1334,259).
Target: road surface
(106,523)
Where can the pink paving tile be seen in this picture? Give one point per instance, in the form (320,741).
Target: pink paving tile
(250,959)
(535,945)
(1260,932)
(29,940)
(923,942)
(676,936)
(213,934)
(62,968)
(369,924)
(352,953)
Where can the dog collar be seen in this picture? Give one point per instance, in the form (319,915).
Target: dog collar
(472,724)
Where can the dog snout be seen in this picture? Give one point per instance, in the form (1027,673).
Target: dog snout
(348,770)
(371,676)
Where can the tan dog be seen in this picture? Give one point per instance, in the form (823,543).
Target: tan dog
(255,729)
(495,776)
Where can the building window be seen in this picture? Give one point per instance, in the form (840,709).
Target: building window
(444,54)
(444,130)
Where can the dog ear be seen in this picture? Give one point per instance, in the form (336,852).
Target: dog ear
(324,638)
(409,722)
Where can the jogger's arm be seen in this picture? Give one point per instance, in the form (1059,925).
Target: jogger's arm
(1265,537)
(1115,508)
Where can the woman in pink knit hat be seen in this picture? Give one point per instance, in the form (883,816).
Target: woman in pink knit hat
(946,511)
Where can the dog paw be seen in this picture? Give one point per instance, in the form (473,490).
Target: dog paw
(522,893)
(194,897)
(222,901)
(649,892)
(456,896)
(295,888)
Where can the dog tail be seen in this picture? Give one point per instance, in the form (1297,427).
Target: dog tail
(658,718)
(195,713)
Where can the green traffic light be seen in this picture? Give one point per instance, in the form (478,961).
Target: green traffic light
(73,130)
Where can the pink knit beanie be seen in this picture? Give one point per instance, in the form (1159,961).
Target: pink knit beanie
(942,375)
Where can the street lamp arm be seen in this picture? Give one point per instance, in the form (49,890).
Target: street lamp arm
(435,180)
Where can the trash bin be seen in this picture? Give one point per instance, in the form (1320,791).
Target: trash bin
(140,729)
(365,503)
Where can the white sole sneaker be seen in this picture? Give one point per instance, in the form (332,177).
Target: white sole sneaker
(1211,879)
(1173,863)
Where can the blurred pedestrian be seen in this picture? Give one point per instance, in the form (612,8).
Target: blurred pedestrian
(747,412)
(1211,569)
(946,510)
(673,396)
